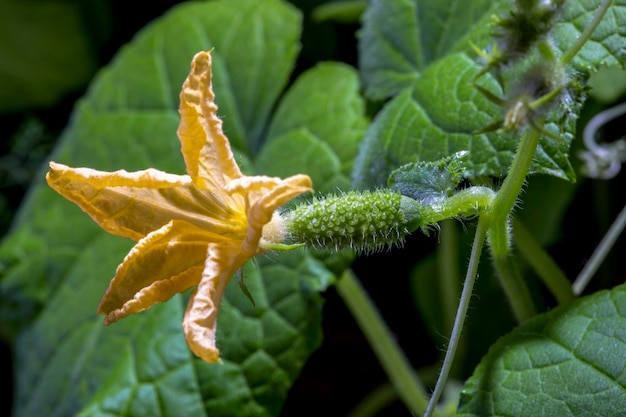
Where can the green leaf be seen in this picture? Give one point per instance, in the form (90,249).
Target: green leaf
(141,366)
(608,84)
(606,44)
(419,53)
(255,52)
(434,119)
(56,263)
(568,362)
(302,151)
(317,128)
(429,182)
(46,53)
(401,38)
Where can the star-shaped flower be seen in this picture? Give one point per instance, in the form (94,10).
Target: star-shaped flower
(191,230)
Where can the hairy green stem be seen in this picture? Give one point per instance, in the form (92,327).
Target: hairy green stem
(515,288)
(405,381)
(507,195)
(466,295)
(467,202)
(552,276)
(584,37)
(449,277)
(499,236)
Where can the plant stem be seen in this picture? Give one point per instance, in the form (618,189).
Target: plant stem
(549,272)
(467,202)
(601,251)
(466,294)
(584,37)
(449,276)
(447,254)
(507,195)
(514,286)
(375,402)
(391,357)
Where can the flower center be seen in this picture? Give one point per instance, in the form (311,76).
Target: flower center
(274,231)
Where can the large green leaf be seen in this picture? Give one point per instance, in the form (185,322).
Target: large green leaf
(401,38)
(605,46)
(418,53)
(568,362)
(255,51)
(69,361)
(55,263)
(326,100)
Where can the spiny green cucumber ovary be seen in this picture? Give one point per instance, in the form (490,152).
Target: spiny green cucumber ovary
(368,221)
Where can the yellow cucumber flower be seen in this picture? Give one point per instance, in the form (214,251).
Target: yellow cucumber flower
(191,230)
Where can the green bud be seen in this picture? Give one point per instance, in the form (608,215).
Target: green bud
(527,24)
(368,221)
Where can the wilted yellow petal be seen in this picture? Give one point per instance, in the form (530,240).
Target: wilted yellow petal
(195,229)
(204,146)
(133,204)
(200,321)
(262,208)
(167,261)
